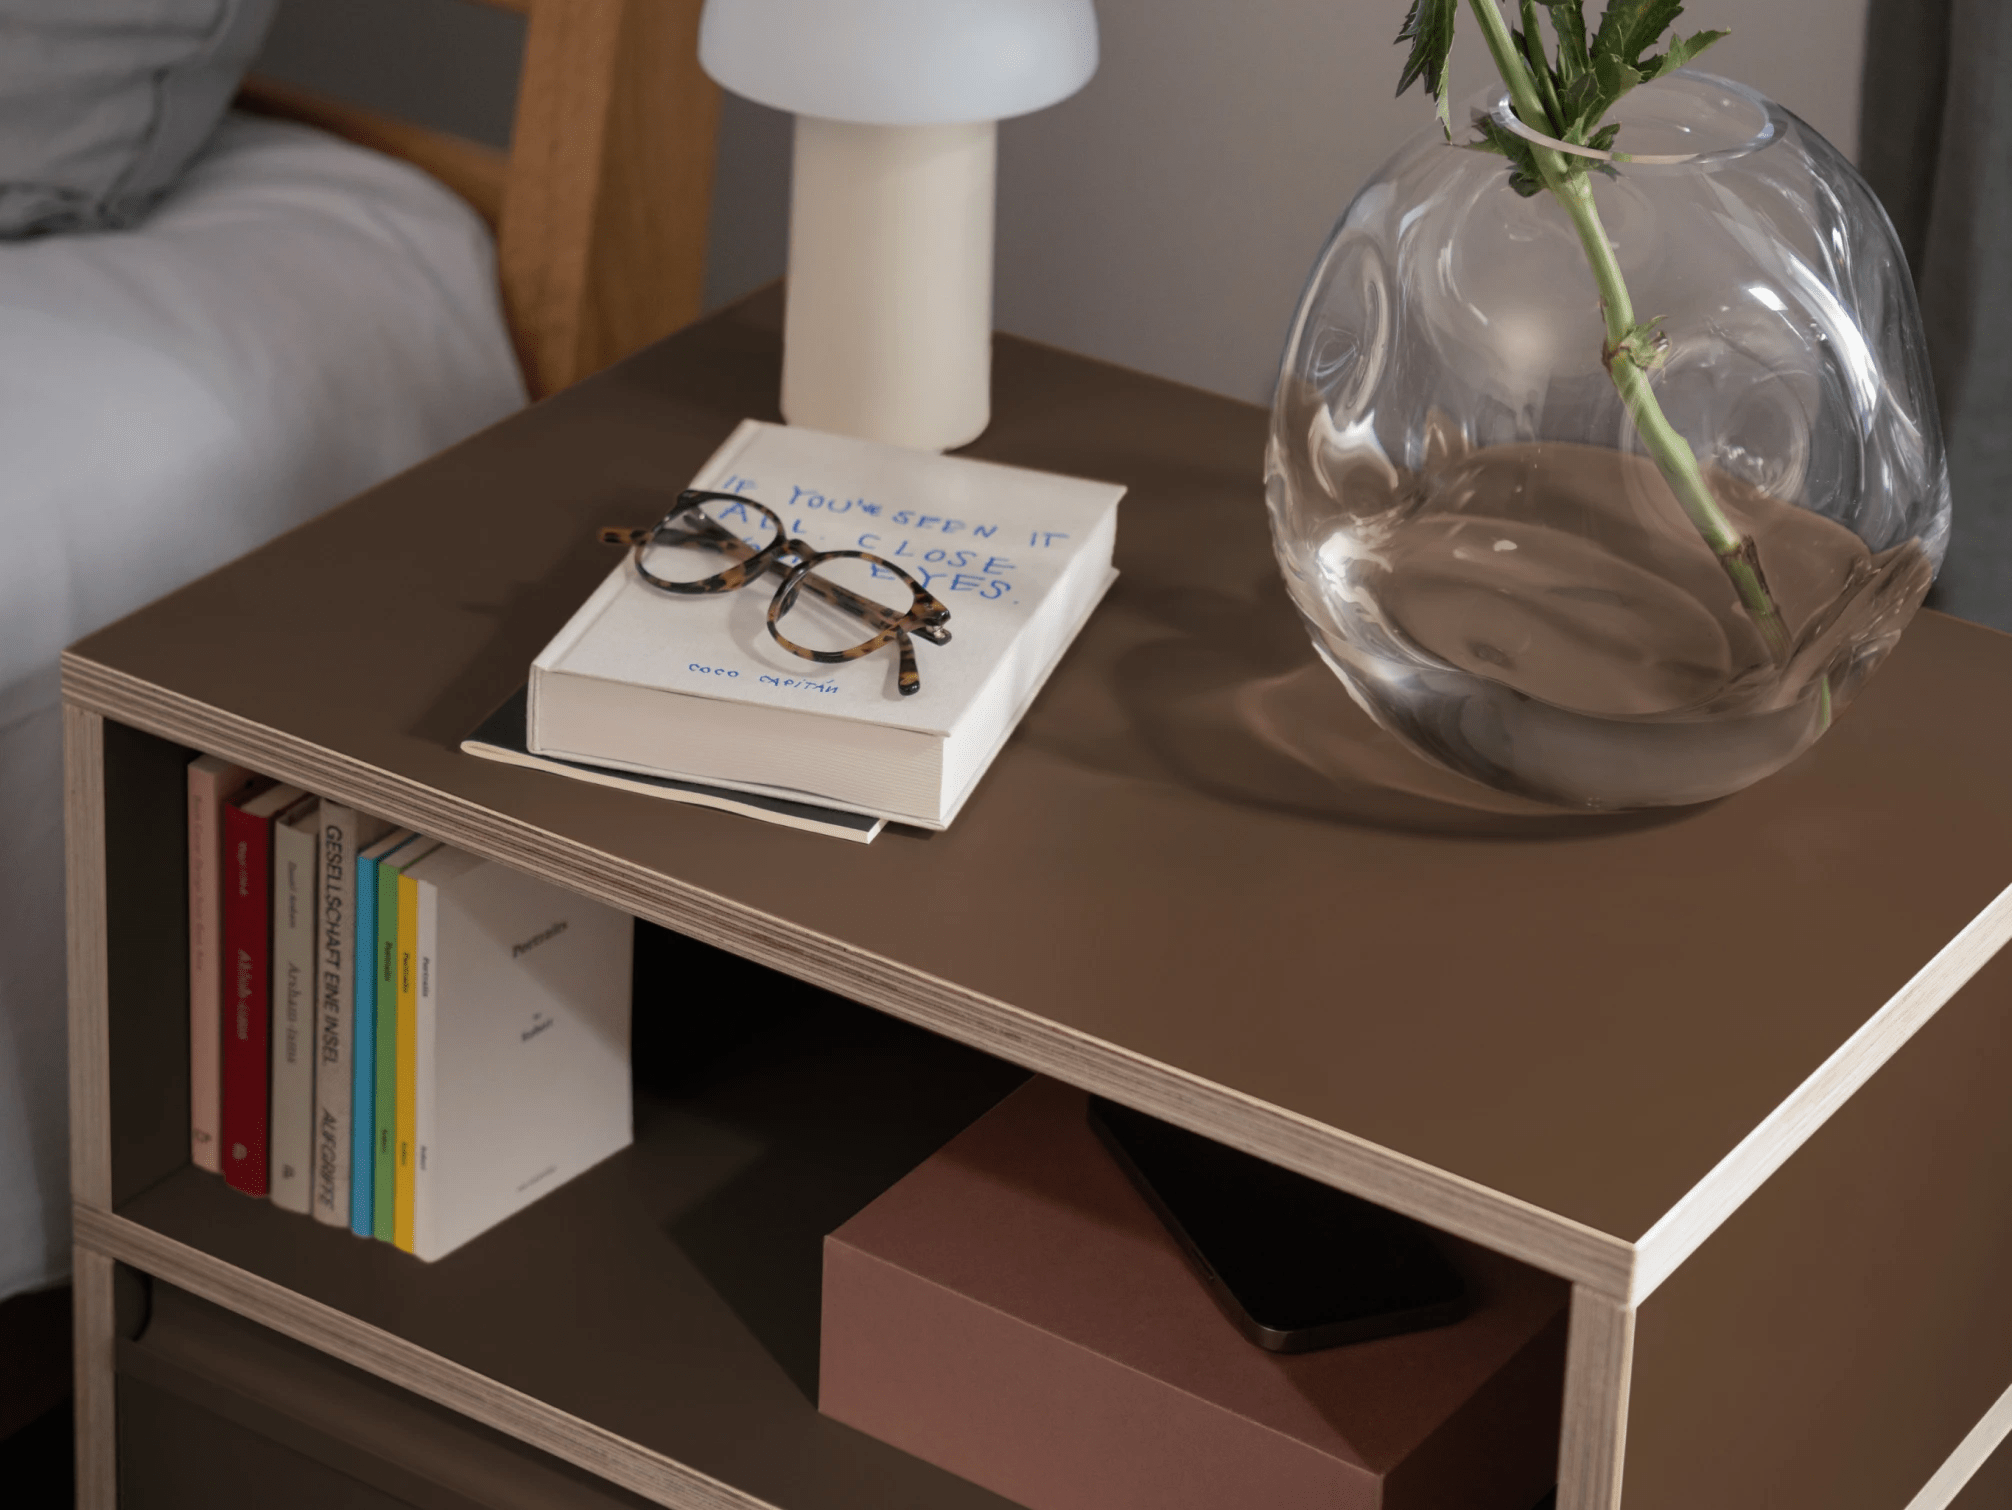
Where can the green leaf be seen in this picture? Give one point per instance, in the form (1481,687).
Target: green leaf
(1524,176)
(1631,27)
(1612,78)
(1428,27)
(1682,50)
(1580,104)
(1587,79)
(1568,20)
(1628,28)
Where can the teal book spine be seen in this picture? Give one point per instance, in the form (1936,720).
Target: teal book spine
(384,1121)
(363,1056)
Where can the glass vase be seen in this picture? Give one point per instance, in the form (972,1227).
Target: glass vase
(1466,514)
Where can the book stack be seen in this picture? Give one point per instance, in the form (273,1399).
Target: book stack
(691,694)
(387,1033)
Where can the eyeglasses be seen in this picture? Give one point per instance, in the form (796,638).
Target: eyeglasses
(826,598)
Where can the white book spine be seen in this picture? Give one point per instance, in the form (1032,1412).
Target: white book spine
(335,1011)
(426,1024)
(290,1157)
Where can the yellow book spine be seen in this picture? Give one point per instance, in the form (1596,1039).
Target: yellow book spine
(408,1055)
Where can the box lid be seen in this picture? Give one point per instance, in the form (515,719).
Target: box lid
(1026,1212)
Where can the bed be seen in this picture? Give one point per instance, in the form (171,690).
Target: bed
(326,297)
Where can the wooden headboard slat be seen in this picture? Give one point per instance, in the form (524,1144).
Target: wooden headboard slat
(475,172)
(600,206)
(603,243)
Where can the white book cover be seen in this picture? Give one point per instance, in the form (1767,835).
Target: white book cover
(344,833)
(290,1135)
(523,1043)
(694,688)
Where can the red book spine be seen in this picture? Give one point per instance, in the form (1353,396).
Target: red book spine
(247,972)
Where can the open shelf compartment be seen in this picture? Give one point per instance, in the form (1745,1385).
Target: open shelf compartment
(657,1317)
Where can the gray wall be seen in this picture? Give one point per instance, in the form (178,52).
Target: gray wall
(1166,216)
(439,62)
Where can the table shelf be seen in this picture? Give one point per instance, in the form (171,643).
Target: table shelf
(668,1298)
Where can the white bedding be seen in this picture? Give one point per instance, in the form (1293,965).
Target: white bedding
(300,319)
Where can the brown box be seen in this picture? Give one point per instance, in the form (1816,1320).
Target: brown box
(1014,1312)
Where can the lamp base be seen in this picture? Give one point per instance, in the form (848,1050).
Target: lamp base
(888,331)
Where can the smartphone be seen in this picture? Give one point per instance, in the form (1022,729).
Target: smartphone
(1296,1265)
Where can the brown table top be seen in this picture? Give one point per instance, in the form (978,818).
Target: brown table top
(1543,1035)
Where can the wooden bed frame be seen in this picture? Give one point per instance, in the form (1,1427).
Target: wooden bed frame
(600,205)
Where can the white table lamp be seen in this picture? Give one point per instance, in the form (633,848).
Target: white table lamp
(888,333)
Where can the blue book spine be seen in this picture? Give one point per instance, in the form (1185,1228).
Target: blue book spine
(363,1057)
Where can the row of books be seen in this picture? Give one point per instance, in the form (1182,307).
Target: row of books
(386,1032)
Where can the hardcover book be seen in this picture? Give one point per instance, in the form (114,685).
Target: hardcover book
(363,1078)
(694,688)
(212,783)
(247,959)
(522,1043)
(343,832)
(295,860)
(500,737)
(394,945)
(407,1109)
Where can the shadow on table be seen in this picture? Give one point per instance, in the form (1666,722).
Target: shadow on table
(1241,709)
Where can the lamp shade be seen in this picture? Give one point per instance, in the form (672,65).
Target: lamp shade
(900,62)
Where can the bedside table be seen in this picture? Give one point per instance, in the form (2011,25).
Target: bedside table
(1739,1074)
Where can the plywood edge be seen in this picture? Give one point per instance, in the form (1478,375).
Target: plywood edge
(1985,1438)
(1684,1228)
(1445,1200)
(1599,1363)
(92,1324)
(84,904)
(405,1364)
(475,172)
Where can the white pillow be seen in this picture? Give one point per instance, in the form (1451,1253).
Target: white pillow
(104,102)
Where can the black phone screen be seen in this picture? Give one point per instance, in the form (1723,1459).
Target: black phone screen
(1296,1264)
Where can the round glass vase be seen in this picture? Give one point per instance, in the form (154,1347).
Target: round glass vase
(1467,517)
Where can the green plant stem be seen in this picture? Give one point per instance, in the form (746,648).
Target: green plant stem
(1533,45)
(1673,455)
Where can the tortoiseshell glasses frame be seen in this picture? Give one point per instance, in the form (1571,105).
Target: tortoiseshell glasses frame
(688,525)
